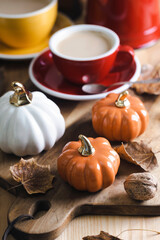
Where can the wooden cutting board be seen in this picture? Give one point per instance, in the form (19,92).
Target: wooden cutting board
(55,209)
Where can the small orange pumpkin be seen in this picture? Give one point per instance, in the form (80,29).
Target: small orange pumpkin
(119,117)
(88,164)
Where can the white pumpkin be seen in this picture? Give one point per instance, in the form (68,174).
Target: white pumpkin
(31,128)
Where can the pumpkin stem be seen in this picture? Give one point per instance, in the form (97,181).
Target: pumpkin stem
(21,96)
(86,148)
(122,100)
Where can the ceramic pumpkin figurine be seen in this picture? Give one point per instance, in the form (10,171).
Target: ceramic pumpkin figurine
(119,117)
(88,164)
(29,122)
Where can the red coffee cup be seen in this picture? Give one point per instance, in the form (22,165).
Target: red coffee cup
(82,70)
(137,22)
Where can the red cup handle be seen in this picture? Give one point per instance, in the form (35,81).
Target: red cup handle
(127,49)
(125,57)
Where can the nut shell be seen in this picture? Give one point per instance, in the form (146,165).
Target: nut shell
(141,186)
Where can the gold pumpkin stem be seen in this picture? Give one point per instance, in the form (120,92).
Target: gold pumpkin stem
(122,100)
(86,148)
(20,96)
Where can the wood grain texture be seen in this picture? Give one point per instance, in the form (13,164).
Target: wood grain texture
(74,112)
(89,225)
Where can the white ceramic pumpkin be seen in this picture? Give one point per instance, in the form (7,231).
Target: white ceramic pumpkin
(29,122)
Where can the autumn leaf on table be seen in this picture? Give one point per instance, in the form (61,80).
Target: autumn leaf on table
(101,236)
(138,154)
(148,73)
(34,177)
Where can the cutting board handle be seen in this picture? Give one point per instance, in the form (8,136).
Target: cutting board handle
(52,216)
(49,219)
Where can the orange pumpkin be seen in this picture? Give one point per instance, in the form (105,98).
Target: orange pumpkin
(119,117)
(88,164)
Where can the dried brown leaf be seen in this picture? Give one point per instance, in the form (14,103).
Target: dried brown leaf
(138,154)
(101,236)
(152,88)
(107,236)
(34,177)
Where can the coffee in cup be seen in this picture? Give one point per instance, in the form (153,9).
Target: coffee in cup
(21,6)
(82,44)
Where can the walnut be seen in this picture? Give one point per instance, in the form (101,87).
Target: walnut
(141,186)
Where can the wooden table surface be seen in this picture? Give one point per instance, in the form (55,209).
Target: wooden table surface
(84,225)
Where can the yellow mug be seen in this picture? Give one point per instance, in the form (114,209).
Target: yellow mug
(28,29)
